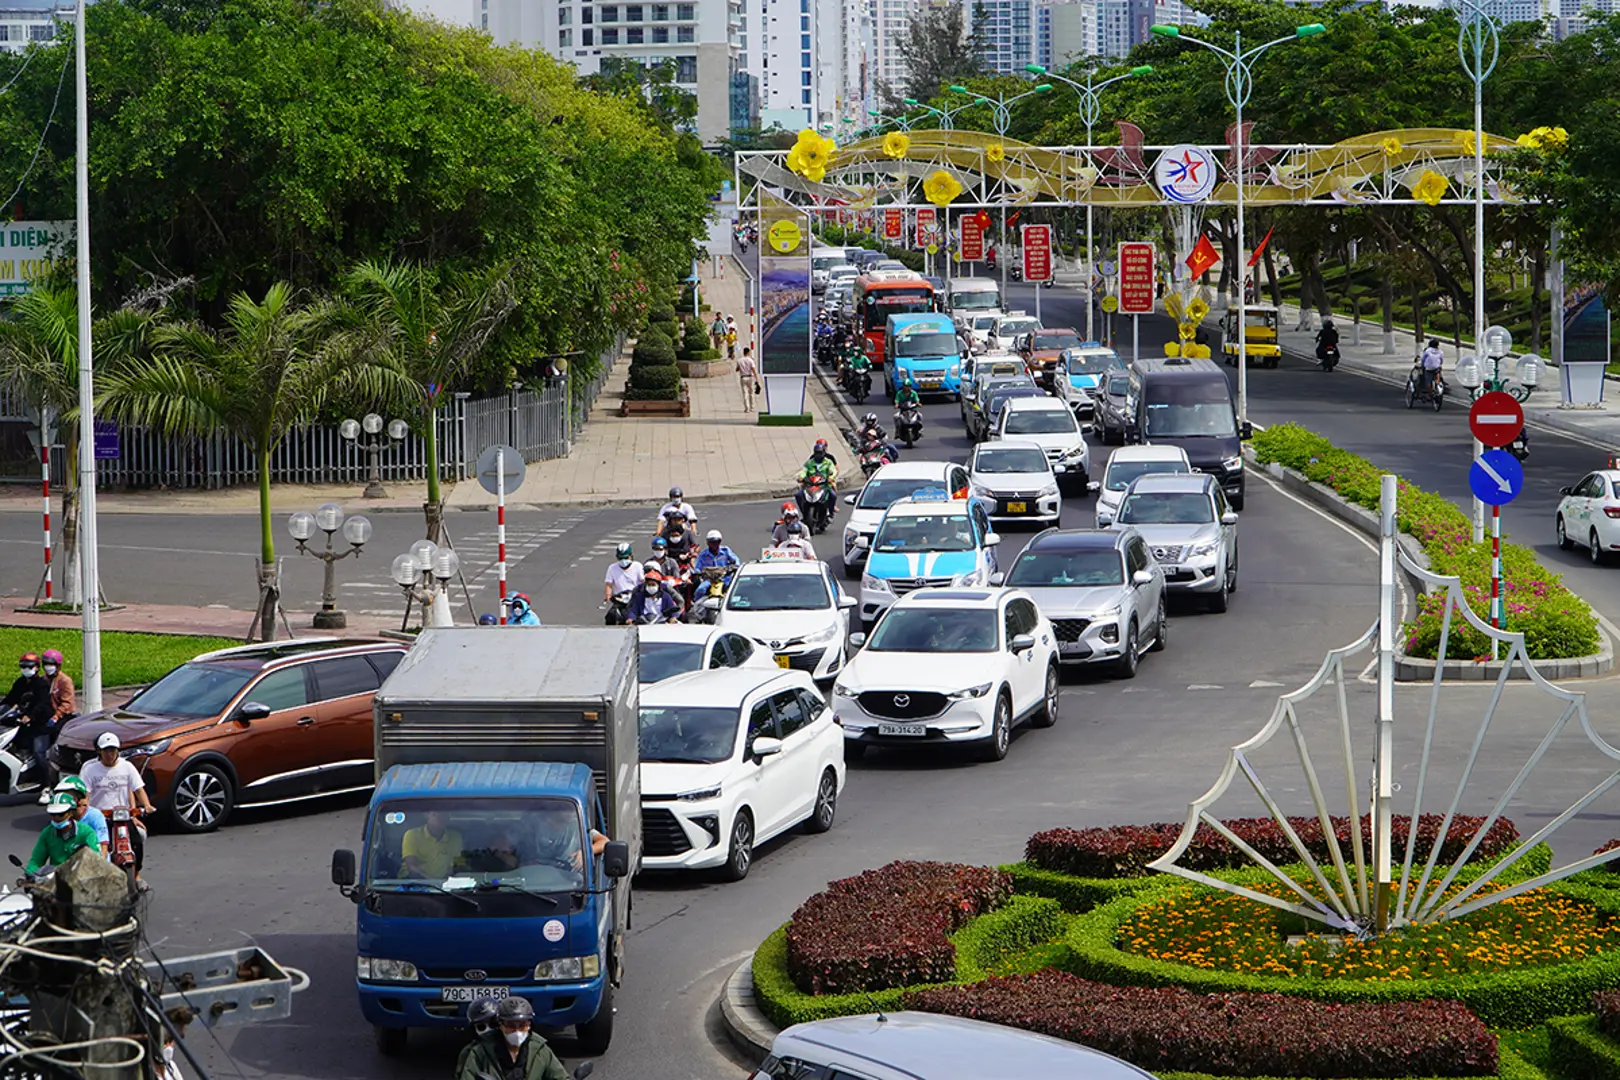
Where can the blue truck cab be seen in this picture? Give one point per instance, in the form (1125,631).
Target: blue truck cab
(499,842)
(924,348)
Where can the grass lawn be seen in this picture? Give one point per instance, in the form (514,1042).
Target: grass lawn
(126,659)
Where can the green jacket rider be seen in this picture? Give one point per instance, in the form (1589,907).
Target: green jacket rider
(907,394)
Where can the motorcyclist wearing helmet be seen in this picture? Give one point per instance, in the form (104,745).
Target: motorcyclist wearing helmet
(871,432)
(521,612)
(623,573)
(63,707)
(716,555)
(30,695)
(679,535)
(797,538)
(651,601)
(65,835)
(821,464)
(677,501)
(481,1017)
(661,559)
(790,515)
(907,394)
(518,1054)
(76,789)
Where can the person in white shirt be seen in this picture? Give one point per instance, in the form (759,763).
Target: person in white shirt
(116,783)
(1432,360)
(623,575)
(677,501)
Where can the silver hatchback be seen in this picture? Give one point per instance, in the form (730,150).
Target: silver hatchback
(1191,530)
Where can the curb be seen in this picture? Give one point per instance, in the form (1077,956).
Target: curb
(1418,669)
(749,1030)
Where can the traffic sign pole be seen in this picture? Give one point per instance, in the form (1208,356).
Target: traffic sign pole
(500,535)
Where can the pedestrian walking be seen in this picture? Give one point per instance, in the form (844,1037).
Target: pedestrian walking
(717,333)
(748,377)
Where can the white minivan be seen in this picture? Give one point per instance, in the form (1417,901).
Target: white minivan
(971,296)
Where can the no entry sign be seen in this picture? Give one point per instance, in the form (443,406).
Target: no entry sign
(1496,418)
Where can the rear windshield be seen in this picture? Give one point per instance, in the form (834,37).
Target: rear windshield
(924,344)
(1046,340)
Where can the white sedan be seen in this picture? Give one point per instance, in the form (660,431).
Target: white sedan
(1589,514)
(793,608)
(669,649)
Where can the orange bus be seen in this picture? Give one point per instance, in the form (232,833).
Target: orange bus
(881,293)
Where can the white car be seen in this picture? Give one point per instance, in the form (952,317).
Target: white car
(793,608)
(1589,514)
(1191,529)
(977,325)
(842,272)
(928,540)
(951,665)
(669,649)
(1125,465)
(730,759)
(1010,328)
(1017,480)
(1048,423)
(883,489)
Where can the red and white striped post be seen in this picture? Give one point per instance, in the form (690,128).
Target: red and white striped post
(500,528)
(45,491)
(1496,571)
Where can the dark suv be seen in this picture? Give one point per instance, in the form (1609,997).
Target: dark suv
(249,726)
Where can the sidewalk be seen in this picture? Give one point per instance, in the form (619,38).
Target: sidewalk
(215,620)
(719,452)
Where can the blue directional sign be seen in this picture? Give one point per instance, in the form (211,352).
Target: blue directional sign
(1496,477)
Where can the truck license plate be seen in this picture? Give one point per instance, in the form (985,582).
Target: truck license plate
(1016,508)
(783,660)
(912,730)
(472,993)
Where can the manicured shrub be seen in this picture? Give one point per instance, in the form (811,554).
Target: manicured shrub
(1606,1005)
(660,377)
(695,342)
(1126,850)
(888,927)
(653,349)
(1231,1034)
(1582,1048)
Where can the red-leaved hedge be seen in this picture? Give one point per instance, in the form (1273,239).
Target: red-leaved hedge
(1166,1029)
(1606,1003)
(888,927)
(1125,850)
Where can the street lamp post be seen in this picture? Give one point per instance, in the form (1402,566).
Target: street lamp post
(329,519)
(944,125)
(424,573)
(1239,87)
(902,122)
(374,446)
(1090,111)
(1001,119)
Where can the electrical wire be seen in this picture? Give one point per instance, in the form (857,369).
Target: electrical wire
(44,132)
(169,979)
(28,58)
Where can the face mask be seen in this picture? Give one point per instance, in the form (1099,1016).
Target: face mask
(27,669)
(624,563)
(515,1038)
(168,1053)
(64,826)
(51,669)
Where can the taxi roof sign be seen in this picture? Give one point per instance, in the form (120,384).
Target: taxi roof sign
(930,495)
(783,554)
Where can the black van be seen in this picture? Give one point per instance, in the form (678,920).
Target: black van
(1188,403)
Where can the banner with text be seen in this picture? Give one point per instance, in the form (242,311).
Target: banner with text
(1136,267)
(29,251)
(894,224)
(1037,241)
(926,217)
(972,238)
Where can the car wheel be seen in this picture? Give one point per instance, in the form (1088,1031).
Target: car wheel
(391,1041)
(1126,667)
(1049,705)
(1161,629)
(1563,538)
(826,808)
(1237,502)
(1232,573)
(594,1035)
(202,801)
(995,747)
(741,856)
(1596,546)
(1218,602)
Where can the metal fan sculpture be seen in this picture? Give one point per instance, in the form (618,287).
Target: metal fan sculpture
(1353,896)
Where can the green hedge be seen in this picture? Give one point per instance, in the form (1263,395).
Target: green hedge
(660,377)
(1555,622)
(1503,999)
(1509,1066)
(653,349)
(1580,1051)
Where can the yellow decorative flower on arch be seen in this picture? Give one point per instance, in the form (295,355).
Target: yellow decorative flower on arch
(1391,146)
(811,155)
(897,144)
(995,153)
(941,188)
(1430,187)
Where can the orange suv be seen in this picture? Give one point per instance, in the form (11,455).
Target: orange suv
(1042,349)
(250,726)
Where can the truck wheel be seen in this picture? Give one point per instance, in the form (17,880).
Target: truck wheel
(391,1041)
(595,1034)
(741,857)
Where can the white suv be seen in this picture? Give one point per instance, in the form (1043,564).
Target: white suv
(950,665)
(730,759)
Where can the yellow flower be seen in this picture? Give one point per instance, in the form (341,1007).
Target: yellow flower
(995,153)
(1197,310)
(896,144)
(1430,188)
(1392,146)
(1464,141)
(941,188)
(1544,138)
(811,155)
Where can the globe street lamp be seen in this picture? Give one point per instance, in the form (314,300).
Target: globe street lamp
(329,519)
(1090,110)
(1239,87)
(424,573)
(374,446)
(1001,120)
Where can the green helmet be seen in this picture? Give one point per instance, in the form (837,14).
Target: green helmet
(623,551)
(73,784)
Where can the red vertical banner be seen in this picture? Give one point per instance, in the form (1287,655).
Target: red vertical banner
(1037,244)
(894,223)
(925,225)
(1136,267)
(972,238)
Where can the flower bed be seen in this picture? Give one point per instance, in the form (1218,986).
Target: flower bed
(888,927)
(1125,850)
(1555,622)
(1231,1034)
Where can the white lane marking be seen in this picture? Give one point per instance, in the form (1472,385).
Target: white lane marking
(1205,686)
(1259,683)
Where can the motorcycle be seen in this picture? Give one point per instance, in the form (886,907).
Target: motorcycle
(873,454)
(860,386)
(121,842)
(1327,357)
(16,754)
(1433,395)
(618,609)
(818,504)
(1520,446)
(710,593)
(908,425)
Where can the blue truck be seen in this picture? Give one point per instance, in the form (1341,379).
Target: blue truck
(501,837)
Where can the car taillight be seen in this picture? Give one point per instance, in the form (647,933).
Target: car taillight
(1611,511)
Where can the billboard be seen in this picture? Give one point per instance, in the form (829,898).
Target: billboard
(1136,265)
(29,250)
(1586,324)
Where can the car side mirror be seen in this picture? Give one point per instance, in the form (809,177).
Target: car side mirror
(1566,491)
(1246,431)
(616,859)
(1094,485)
(250,711)
(1060,467)
(1142,577)
(857,639)
(1229,518)
(344,874)
(992,539)
(845,603)
(764,747)
(998,579)
(849,500)
(1023,643)
(862,543)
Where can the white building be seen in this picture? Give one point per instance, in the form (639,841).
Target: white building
(890,21)
(20,27)
(1008,29)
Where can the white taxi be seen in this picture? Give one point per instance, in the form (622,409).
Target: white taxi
(793,608)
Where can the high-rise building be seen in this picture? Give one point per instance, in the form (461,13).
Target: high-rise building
(1008,30)
(1070,33)
(890,21)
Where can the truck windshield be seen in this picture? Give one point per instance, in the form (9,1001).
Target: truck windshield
(926,344)
(688,734)
(474,846)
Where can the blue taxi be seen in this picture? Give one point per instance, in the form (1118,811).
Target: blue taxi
(1081,373)
(926,540)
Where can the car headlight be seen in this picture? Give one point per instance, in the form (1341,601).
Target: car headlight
(826,634)
(700,795)
(148,749)
(571,968)
(1111,615)
(971,578)
(875,584)
(1233,464)
(1048,491)
(1205,548)
(1075,452)
(381,970)
(971,692)
(845,690)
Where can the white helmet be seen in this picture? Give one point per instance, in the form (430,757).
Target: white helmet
(714,534)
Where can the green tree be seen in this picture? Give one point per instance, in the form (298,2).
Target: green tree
(936,50)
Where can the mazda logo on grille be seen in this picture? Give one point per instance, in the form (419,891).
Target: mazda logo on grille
(902,700)
(475,975)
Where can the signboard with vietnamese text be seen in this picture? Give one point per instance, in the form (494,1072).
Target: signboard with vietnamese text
(29,251)
(925,226)
(894,223)
(1037,242)
(1136,266)
(972,238)
(108,447)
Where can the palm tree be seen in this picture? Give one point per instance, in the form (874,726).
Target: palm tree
(270,368)
(426,335)
(39,363)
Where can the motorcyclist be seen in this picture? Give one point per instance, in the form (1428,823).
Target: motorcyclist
(679,537)
(651,601)
(661,559)
(519,1053)
(677,501)
(820,464)
(521,611)
(63,836)
(790,515)
(624,573)
(797,538)
(716,555)
(481,1018)
(30,696)
(1327,339)
(907,395)
(871,433)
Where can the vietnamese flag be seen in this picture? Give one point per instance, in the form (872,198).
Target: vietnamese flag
(1203,257)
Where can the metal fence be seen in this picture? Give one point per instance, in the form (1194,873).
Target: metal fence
(541,425)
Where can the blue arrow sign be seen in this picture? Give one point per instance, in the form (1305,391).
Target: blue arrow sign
(1496,477)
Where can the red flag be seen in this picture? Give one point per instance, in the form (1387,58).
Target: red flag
(1203,257)
(1014,219)
(1254,256)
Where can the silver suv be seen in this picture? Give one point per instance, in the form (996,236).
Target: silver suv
(1191,530)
